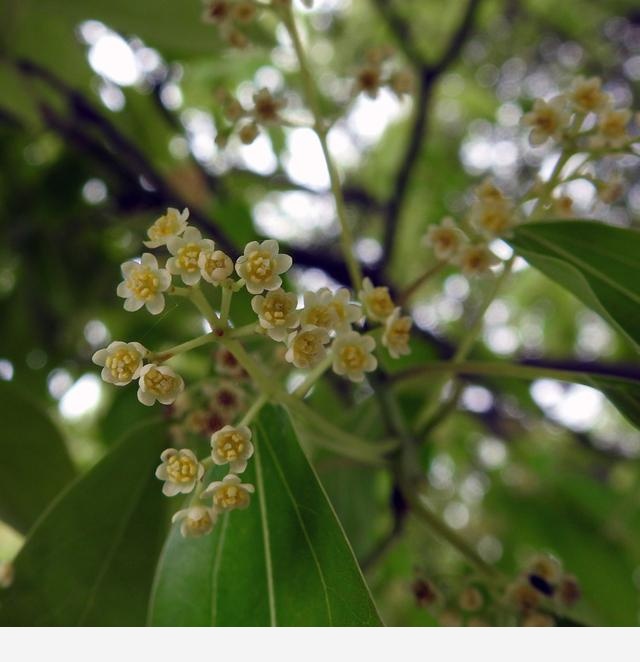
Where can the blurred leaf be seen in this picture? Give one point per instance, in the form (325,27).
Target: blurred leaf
(283,561)
(598,263)
(35,463)
(90,559)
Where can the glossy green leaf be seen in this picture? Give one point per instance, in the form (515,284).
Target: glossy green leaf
(89,560)
(35,464)
(283,561)
(598,263)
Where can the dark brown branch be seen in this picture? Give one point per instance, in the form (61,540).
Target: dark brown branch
(428,75)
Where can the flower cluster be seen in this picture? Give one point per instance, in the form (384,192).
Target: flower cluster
(326,331)
(245,122)
(378,71)
(231,17)
(533,599)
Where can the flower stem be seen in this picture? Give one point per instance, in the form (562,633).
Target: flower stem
(165,355)
(319,126)
(313,377)
(242,331)
(406,294)
(255,408)
(201,303)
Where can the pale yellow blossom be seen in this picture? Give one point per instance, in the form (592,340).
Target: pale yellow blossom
(612,129)
(215,266)
(476,259)
(232,445)
(548,119)
(586,95)
(171,225)
(180,471)
(261,265)
(445,239)
(277,312)
(195,521)
(347,312)
(377,301)
(397,331)
(318,310)
(230,493)
(185,255)
(353,355)
(306,348)
(122,362)
(143,285)
(158,382)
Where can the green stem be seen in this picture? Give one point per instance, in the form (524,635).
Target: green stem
(179,291)
(201,303)
(243,331)
(411,289)
(313,377)
(313,100)
(255,408)
(225,305)
(159,357)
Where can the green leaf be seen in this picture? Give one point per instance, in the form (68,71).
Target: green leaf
(598,263)
(89,560)
(35,463)
(283,561)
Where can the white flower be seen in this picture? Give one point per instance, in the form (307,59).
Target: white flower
(6,574)
(347,312)
(195,521)
(612,129)
(215,266)
(547,120)
(185,253)
(488,191)
(376,300)
(586,95)
(180,471)
(230,493)
(445,239)
(318,310)
(143,284)
(122,362)
(158,382)
(171,225)
(232,445)
(492,218)
(476,259)
(396,334)
(277,312)
(352,355)
(306,348)
(261,266)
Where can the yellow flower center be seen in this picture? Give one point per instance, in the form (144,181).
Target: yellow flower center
(217,261)
(165,226)
(199,524)
(446,238)
(353,357)
(123,363)
(495,219)
(230,496)
(399,333)
(231,445)
(588,97)
(546,120)
(187,257)
(276,309)
(613,126)
(319,316)
(158,383)
(259,266)
(380,302)
(307,344)
(181,469)
(143,282)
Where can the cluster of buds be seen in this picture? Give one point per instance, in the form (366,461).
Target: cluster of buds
(542,587)
(326,331)
(582,121)
(245,122)
(231,17)
(466,245)
(379,71)
(533,599)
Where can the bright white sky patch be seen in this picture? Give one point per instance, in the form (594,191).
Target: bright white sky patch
(82,398)
(304,161)
(111,57)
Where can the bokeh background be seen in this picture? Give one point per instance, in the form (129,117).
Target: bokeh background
(109,114)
